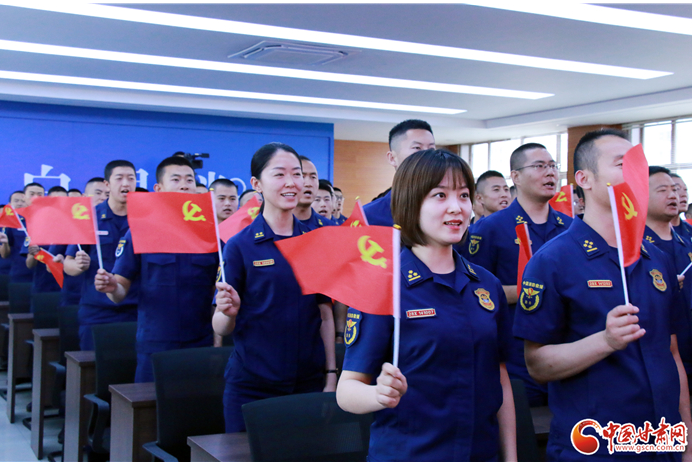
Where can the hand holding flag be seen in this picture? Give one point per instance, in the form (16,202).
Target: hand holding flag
(55,268)
(239,220)
(9,218)
(563,201)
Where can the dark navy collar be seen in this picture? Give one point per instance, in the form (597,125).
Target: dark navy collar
(591,243)
(104,212)
(520,215)
(261,231)
(415,271)
(651,236)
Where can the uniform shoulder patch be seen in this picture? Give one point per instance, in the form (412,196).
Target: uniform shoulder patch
(27,241)
(531,294)
(474,243)
(121,247)
(353,319)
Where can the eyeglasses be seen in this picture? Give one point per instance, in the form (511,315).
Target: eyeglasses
(541,167)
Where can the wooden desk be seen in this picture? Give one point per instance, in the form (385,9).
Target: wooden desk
(542,416)
(81,380)
(46,349)
(19,356)
(133,420)
(226,447)
(4,310)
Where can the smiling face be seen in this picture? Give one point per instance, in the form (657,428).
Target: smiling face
(281,181)
(123,180)
(663,198)
(445,213)
(493,194)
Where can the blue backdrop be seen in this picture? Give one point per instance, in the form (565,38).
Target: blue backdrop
(67,145)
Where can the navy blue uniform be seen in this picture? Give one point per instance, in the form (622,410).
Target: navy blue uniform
(16,238)
(340,221)
(316,221)
(71,291)
(379,211)
(637,384)
(684,229)
(5,263)
(679,253)
(278,347)
(492,243)
(43,281)
(454,334)
(175,300)
(95,307)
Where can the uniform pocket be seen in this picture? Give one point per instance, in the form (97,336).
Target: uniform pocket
(161,269)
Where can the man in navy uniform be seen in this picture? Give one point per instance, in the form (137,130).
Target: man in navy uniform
(405,138)
(111,218)
(493,242)
(13,240)
(682,227)
(177,289)
(16,201)
(603,360)
(663,207)
(304,210)
(492,193)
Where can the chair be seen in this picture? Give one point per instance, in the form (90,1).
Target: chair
(189,398)
(308,427)
(45,308)
(4,287)
(116,362)
(19,295)
(527,446)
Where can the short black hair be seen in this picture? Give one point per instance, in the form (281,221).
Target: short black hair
(410,124)
(173,160)
(585,154)
(302,158)
(654,169)
(12,194)
(326,185)
(518,157)
(223,182)
(674,175)
(579,192)
(74,190)
(57,189)
(261,157)
(198,184)
(247,191)
(96,179)
(486,175)
(337,189)
(33,184)
(112,165)
(138,189)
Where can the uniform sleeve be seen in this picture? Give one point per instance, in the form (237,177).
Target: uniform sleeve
(368,339)
(504,325)
(234,267)
(128,264)
(72,250)
(540,313)
(57,249)
(24,251)
(479,248)
(678,310)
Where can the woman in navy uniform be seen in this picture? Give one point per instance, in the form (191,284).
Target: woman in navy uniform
(284,341)
(454,334)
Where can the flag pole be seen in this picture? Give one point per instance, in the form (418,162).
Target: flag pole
(618,238)
(96,233)
(218,240)
(396,295)
(688,267)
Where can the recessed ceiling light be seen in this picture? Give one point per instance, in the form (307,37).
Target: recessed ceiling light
(103,83)
(263,70)
(287,33)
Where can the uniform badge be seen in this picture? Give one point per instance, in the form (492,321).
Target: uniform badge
(484,299)
(353,318)
(121,247)
(412,276)
(559,221)
(689,254)
(650,239)
(320,222)
(475,243)
(27,241)
(520,220)
(531,295)
(599,283)
(267,262)
(659,283)
(258,235)
(218,274)
(424,313)
(588,245)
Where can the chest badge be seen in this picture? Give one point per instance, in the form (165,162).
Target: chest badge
(121,247)
(659,283)
(475,244)
(424,313)
(484,299)
(260,263)
(353,318)
(689,254)
(599,283)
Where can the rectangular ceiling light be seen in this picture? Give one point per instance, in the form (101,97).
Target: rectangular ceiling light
(103,83)
(263,70)
(302,35)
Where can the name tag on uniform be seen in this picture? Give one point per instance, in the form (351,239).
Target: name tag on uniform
(600,283)
(426,313)
(102,233)
(268,262)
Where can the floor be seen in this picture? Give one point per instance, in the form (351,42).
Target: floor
(15,439)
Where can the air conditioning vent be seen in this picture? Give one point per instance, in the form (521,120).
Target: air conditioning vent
(290,54)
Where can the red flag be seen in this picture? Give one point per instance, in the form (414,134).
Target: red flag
(362,265)
(631,220)
(563,201)
(689,220)
(56,268)
(239,220)
(357,217)
(525,252)
(172,222)
(635,172)
(9,218)
(60,220)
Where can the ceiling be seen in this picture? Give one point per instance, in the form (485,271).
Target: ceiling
(578,98)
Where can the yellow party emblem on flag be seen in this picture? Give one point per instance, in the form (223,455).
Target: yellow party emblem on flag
(355,224)
(369,249)
(8,211)
(80,212)
(630,211)
(40,257)
(484,299)
(190,210)
(253,212)
(659,283)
